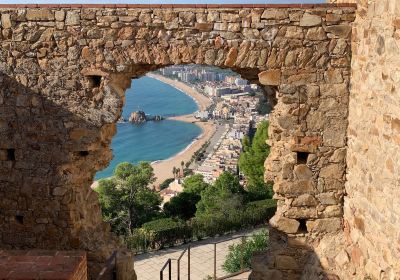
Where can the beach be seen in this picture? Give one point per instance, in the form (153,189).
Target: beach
(202,101)
(163,169)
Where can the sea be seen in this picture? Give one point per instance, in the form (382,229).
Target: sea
(152,141)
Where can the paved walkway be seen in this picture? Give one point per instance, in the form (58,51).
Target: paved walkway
(147,266)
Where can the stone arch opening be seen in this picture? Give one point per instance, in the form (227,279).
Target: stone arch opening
(50,114)
(269,92)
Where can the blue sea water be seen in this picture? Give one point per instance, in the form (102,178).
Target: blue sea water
(152,141)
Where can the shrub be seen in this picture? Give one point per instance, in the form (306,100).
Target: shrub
(159,233)
(253,214)
(258,212)
(239,255)
(166,183)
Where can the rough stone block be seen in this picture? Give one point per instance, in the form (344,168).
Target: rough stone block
(270,77)
(204,27)
(310,20)
(6,21)
(39,15)
(302,172)
(284,224)
(72,18)
(304,200)
(325,225)
(60,15)
(341,31)
(316,34)
(295,188)
(278,14)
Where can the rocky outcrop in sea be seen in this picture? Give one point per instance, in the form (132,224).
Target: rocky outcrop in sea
(140,117)
(137,117)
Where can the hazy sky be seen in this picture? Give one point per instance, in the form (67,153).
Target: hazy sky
(161,1)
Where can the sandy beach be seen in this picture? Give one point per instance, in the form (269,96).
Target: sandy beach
(202,101)
(163,169)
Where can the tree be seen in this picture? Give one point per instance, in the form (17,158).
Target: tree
(251,163)
(228,181)
(182,165)
(246,143)
(125,199)
(182,206)
(174,171)
(221,200)
(194,184)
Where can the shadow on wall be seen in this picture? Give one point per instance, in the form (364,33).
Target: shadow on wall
(288,258)
(48,156)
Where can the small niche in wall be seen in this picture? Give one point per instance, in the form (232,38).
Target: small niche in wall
(94,80)
(11,154)
(302,157)
(302,226)
(83,153)
(19,219)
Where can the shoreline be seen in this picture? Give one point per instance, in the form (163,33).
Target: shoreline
(163,168)
(202,101)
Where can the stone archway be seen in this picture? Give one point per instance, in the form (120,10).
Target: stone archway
(63,75)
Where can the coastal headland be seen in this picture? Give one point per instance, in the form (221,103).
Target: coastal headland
(163,168)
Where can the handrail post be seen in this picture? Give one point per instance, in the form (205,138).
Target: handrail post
(215,260)
(178,269)
(169,270)
(168,262)
(242,253)
(189,262)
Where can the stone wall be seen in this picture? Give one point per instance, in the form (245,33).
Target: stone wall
(63,72)
(372,205)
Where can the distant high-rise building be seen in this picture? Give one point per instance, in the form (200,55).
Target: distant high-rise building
(230,79)
(240,82)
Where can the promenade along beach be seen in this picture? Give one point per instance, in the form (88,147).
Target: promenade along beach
(162,169)
(166,143)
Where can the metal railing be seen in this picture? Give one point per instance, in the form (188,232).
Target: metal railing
(167,263)
(108,270)
(242,269)
(187,250)
(179,263)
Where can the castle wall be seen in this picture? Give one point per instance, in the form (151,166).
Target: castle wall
(372,204)
(63,72)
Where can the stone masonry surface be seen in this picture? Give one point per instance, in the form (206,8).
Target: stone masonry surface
(43,264)
(63,73)
(372,204)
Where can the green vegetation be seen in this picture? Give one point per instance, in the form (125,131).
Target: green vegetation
(201,210)
(194,184)
(182,206)
(166,183)
(159,233)
(251,163)
(126,201)
(239,255)
(264,106)
(220,200)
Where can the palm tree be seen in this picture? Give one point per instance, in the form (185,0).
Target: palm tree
(174,171)
(182,164)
